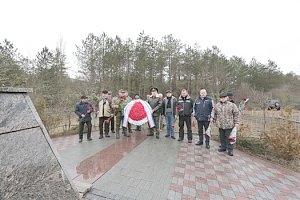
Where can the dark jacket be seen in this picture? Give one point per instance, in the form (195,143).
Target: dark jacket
(203,108)
(155,102)
(185,106)
(173,104)
(82,108)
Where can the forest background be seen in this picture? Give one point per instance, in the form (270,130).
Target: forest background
(113,63)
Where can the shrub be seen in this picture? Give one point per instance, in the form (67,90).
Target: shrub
(283,139)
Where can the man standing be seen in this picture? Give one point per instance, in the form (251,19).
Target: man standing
(185,110)
(83,110)
(119,104)
(226,116)
(155,101)
(104,113)
(203,108)
(169,111)
(112,118)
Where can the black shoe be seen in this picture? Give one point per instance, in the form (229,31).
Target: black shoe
(180,139)
(220,146)
(130,131)
(199,143)
(107,135)
(173,137)
(101,136)
(207,146)
(80,140)
(113,131)
(221,150)
(128,134)
(189,141)
(89,139)
(230,153)
(157,136)
(167,135)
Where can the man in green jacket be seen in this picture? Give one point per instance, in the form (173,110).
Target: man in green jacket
(119,104)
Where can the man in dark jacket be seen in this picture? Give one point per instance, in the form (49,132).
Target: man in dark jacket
(185,109)
(203,108)
(169,111)
(83,110)
(155,101)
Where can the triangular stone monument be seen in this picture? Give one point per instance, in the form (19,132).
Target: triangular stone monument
(29,164)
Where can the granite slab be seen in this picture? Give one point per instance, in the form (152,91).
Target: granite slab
(15,113)
(29,169)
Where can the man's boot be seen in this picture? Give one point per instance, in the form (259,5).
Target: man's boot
(207,145)
(157,134)
(151,132)
(101,136)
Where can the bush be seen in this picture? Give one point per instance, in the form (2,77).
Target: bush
(283,139)
(254,145)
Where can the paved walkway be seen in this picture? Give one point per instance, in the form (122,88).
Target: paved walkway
(142,167)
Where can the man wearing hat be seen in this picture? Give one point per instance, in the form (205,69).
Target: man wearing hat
(169,111)
(83,110)
(155,101)
(112,118)
(226,116)
(104,113)
(119,104)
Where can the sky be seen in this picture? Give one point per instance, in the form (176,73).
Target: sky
(261,29)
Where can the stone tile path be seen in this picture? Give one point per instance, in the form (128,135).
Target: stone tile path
(143,167)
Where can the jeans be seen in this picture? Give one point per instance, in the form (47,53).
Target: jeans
(201,125)
(81,126)
(224,134)
(170,124)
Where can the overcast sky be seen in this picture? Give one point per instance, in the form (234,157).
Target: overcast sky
(264,29)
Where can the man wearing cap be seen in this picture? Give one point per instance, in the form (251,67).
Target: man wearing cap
(226,116)
(185,109)
(112,118)
(155,101)
(203,108)
(169,111)
(104,113)
(119,104)
(83,110)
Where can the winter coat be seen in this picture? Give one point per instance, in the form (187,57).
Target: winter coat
(185,106)
(104,108)
(155,102)
(226,115)
(203,108)
(83,108)
(172,109)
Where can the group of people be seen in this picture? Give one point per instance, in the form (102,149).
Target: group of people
(110,111)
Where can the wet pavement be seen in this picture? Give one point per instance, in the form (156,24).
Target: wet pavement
(142,167)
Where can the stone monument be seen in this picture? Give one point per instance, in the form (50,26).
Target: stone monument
(29,164)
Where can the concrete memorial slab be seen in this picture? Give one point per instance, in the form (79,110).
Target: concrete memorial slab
(29,164)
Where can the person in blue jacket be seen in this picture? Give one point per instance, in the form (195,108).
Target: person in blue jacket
(83,110)
(203,108)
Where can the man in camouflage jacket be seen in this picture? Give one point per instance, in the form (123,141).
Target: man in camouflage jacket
(226,116)
(119,104)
